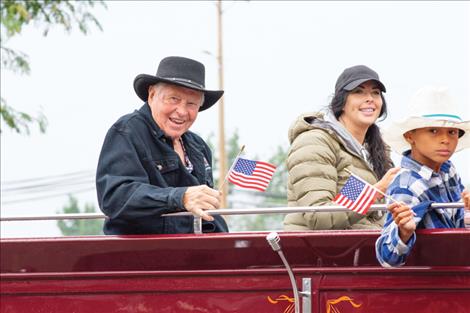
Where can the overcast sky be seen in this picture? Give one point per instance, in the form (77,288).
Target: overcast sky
(281,59)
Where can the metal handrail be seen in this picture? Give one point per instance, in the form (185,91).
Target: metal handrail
(278,210)
(56,217)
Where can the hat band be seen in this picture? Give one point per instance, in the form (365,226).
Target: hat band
(456,117)
(185,80)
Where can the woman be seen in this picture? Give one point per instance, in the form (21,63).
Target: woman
(324,147)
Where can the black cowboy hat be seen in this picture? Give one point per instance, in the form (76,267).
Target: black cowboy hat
(178,71)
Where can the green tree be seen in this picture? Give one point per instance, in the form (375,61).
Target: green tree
(275,195)
(232,147)
(15,14)
(79,227)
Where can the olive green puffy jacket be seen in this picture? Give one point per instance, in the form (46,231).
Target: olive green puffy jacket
(319,155)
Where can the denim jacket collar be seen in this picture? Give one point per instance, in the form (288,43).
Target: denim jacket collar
(147,115)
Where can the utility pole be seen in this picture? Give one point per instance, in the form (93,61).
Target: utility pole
(222,157)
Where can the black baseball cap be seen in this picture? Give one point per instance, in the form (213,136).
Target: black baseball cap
(353,76)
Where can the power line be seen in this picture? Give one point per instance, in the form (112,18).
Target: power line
(46,186)
(48,196)
(52,177)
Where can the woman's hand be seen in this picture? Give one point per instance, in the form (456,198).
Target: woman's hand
(382,184)
(466,199)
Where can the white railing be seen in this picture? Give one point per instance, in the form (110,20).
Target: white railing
(198,220)
(279,210)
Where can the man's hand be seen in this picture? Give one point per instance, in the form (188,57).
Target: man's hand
(197,199)
(403,217)
(382,184)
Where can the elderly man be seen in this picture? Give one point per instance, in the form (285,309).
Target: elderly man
(151,164)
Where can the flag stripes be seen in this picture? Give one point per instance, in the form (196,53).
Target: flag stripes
(251,174)
(356,195)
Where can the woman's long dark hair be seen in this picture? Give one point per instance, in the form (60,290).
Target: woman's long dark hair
(378,154)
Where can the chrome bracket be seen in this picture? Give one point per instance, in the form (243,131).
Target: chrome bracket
(306,294)
(197,225)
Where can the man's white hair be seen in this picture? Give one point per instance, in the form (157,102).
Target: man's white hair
(158,87)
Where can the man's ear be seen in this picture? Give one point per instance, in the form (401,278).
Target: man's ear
(409,137)
(151,92)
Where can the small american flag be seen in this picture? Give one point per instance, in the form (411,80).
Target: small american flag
(356,195)
(251,174)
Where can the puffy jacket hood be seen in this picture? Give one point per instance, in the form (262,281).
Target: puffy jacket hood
(328,123)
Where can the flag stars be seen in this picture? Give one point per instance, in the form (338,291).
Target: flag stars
(356,195)
(353,188)
(245,166)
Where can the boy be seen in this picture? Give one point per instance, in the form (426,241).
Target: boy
(434,132)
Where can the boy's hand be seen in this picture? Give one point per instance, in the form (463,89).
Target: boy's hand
(403,217)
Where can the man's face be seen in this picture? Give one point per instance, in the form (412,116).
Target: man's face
(174,108)
(432,146)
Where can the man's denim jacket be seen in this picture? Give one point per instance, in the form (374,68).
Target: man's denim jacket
(140,177)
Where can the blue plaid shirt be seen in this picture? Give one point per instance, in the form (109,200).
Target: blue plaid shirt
(418,186)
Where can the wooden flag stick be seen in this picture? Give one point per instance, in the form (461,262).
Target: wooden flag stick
(231,167)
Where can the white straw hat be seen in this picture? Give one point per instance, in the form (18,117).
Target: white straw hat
(430,106)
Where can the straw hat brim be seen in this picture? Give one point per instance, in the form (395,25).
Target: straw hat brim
(393,135)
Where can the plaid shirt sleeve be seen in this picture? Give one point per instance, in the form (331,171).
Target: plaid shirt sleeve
(459,217)
(389,248)
(418,187)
